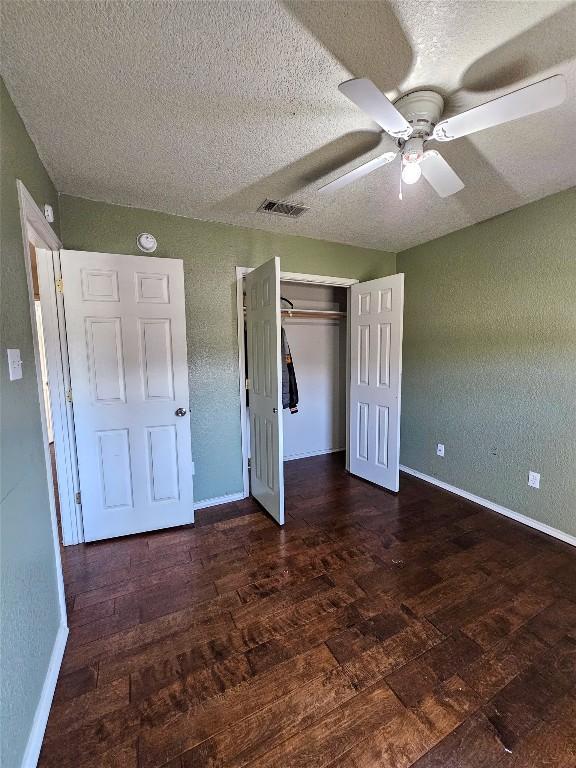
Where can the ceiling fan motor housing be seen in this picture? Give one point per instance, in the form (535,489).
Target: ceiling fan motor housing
(422,109)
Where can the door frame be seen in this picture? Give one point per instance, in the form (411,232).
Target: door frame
(292,277)
(36,230)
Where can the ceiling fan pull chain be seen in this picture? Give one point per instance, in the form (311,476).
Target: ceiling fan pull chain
(400,193)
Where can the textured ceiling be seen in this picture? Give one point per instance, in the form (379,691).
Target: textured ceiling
(203,109)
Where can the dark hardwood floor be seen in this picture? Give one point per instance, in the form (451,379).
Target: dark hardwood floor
(373,631)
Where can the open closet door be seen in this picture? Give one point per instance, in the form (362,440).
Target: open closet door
(376,312)
(265,376)
(126,333)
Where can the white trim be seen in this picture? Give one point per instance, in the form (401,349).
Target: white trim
(217,500)
(308,454)
(293,277)
(56,343)
(524,519)
(31,215)
(36,230)
(240,272)
(302,277)
(348,448)
(34,744)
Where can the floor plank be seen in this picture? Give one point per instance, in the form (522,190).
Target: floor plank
(374,631)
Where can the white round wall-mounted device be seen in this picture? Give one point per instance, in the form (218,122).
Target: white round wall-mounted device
(146,242)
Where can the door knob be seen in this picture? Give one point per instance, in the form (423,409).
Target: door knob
(180,412)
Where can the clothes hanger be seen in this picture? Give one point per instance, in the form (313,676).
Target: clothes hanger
(283,298)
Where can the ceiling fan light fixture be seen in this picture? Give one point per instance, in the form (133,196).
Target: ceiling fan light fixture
(411,172)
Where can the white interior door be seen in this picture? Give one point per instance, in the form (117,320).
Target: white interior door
(265,375)
(376,313)
(126,331)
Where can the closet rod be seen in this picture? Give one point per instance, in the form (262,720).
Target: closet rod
(327,313)
(332,314)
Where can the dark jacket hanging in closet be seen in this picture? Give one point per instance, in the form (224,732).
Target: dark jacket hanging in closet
(289,385)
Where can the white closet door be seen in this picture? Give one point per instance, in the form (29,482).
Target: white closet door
(376,314)
(265,375)
(126,332)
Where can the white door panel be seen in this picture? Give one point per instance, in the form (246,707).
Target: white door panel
(376,312)
(126,329)
(265,374)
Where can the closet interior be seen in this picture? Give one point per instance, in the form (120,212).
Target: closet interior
(316,330)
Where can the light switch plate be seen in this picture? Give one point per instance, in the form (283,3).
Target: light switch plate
(14,364)
(439,449)
(534,479)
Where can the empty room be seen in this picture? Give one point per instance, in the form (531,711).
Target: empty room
(288,384)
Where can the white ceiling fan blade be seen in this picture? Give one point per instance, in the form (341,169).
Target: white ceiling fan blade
(357,173)
(365,95)
(534,98)
(439,174)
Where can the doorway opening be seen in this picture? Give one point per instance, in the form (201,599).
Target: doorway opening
(43,268)
(345,340)
(314,317)
(39,241)
(42,368)
(312,382)
(314,329)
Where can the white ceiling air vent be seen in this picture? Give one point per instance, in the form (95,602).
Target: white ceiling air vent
(282,209)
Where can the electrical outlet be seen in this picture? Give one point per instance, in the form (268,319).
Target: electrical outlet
(534,479)
(439,449)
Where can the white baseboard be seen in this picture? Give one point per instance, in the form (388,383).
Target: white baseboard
(309,454)
(524,519)
(36,736)
(214,502)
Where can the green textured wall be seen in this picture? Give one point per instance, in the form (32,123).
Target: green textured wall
(490,359)
(211,252)
(29,609)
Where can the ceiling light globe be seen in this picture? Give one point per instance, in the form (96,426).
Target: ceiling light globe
(411,172)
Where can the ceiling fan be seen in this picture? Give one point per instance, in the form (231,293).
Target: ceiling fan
(414,120)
